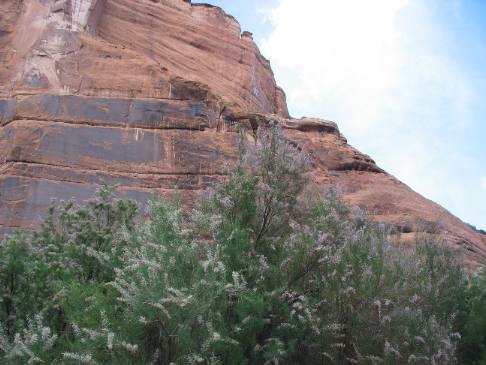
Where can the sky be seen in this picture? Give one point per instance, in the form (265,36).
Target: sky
(405,80)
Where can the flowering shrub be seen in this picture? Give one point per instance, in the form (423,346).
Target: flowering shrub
(262,271)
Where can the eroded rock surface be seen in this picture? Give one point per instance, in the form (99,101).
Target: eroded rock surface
(147,95)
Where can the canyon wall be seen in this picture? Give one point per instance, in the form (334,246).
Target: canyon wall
(148,95)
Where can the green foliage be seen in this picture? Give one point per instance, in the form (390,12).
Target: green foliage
(52,278)
(473,346)
(15,283)
(260,272)
(482,231)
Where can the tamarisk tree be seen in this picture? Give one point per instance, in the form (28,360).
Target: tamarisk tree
(261,271)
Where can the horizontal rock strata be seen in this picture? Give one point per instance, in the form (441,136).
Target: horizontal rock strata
(148,95)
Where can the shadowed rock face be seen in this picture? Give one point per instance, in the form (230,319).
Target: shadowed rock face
(147,95)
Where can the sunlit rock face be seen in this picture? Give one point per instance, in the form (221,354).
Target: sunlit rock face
(148,95)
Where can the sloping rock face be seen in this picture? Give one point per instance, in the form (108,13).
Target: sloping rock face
(147,95)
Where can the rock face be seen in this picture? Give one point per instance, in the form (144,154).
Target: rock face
(147,95)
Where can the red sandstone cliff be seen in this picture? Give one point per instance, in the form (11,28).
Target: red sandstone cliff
(145,94)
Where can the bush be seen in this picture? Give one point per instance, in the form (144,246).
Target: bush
(474,228)
(473,346)
(262,271)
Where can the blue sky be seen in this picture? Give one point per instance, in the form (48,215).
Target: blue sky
(404,79)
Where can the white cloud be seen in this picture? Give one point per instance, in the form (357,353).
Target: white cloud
(483,182)
(358,58)
(380,69)
(340,52)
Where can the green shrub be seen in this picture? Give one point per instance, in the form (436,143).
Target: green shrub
(262,271)
(473,346)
